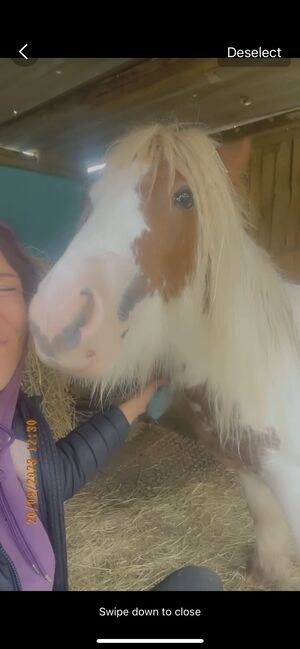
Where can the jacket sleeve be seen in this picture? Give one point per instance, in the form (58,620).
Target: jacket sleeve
(89,447)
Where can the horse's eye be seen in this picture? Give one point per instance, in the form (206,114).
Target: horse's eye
(184,199)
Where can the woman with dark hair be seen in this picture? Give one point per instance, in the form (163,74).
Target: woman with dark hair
(32,530)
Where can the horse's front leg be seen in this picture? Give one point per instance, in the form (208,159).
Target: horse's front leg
(270,562)
(281,472)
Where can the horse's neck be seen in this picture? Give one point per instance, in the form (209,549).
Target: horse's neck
(250,321)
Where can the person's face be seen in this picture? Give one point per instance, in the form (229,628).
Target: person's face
(13,321)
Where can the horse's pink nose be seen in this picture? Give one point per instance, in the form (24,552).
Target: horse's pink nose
(83,326)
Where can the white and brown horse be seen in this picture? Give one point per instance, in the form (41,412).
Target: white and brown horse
(164,277)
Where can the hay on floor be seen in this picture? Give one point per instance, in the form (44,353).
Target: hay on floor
(162,504)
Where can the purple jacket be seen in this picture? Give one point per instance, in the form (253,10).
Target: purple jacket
(33,556)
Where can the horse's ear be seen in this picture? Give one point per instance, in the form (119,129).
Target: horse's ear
(236,157)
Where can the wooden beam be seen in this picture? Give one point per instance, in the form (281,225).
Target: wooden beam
(47,79)
(100,104)
(155,77)
(262,129)
(79,125)
(45,164)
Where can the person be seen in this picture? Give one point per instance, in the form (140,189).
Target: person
(37,473)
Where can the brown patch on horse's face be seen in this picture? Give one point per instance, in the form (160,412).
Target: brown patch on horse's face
(166,252)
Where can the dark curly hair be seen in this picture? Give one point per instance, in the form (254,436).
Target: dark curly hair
(17,257)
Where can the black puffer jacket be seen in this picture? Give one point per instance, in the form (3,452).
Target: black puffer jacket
(63,468)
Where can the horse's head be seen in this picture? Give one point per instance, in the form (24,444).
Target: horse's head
(105,307)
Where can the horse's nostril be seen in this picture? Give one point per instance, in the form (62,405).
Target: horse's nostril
(82,320)
(87,291)
(78,331)
(87,311)
(72,337)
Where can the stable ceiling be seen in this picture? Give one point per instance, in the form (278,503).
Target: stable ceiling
(69,110)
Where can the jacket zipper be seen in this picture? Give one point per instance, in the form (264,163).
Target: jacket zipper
(20,538)
(17,582)
(49,489)
(47,456)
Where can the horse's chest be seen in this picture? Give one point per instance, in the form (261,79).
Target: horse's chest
(245,448)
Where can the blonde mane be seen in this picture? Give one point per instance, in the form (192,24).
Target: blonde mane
(246,337)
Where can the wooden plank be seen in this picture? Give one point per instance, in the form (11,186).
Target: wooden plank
(281,195)
(268,130)
(83,123)
(151,98)
(142,84)
(49,78)
(293,217)
(277,134)
(267,196)
(153,89)
(45,164)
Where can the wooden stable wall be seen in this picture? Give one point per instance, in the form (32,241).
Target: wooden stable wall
(274,187)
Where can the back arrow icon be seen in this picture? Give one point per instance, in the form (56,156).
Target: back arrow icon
(21,51)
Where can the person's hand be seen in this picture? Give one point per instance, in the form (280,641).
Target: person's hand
(139,404)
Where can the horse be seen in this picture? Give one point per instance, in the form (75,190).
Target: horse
(164,278)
